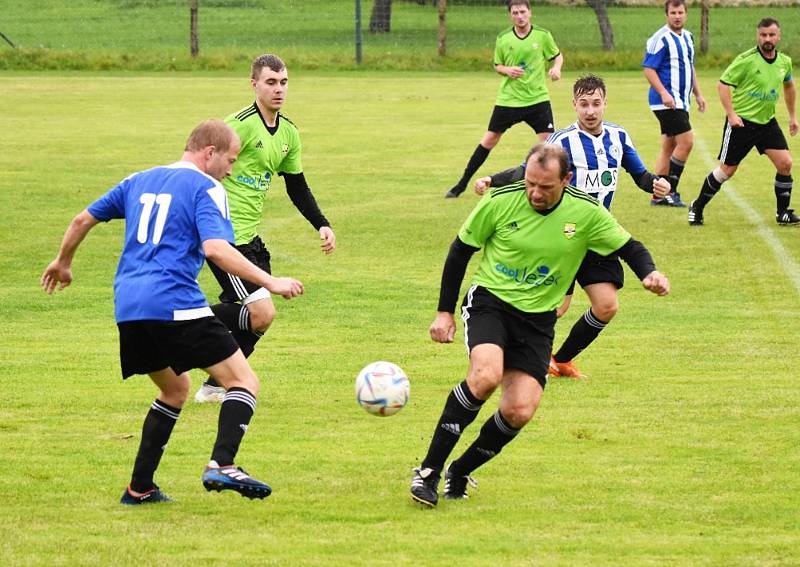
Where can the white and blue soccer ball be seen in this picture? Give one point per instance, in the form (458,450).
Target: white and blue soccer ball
(382,388)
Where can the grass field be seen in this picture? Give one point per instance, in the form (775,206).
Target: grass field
(680,449)
(150,36)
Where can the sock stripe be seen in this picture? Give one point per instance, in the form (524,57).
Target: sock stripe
(162,408)
(593,321)
(244,319)
(783,184)
(503,426)
(463,400)
(242,396)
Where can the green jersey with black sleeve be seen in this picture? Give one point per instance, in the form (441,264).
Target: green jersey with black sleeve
(756,83)
(266,151)
(529,257)
(531,52)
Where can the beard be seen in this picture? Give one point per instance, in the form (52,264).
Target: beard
(768,47)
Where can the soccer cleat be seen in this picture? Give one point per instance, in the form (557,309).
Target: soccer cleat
(231,477)
(454,192)
(564,369)
(152,496)
(675,200)
(455,487)
(787,217)
(665,201)
(209,394)
(696,215)
(425,486)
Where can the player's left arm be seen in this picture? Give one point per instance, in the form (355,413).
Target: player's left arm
(701,101)
(646,181)
(790,95)
(555,70)
(303,199)
(638,257)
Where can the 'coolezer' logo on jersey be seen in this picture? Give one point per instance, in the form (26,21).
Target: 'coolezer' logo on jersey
(536,277)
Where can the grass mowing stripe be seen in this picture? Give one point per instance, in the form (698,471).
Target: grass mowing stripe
(784,257)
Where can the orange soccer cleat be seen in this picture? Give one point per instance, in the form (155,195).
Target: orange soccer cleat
(564,370)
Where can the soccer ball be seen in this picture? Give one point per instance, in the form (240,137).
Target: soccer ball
(382,388)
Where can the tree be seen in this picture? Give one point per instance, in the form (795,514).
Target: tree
(704,27)
(194,34)
(381,19)
(599,7)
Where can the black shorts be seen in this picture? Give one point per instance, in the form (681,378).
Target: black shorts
(148,346)
(599,269)
(234,288)
(737,142)
(673,121)
(526,338)
(538,116)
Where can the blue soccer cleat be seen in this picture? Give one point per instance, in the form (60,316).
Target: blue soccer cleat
(152,496)
(231,477)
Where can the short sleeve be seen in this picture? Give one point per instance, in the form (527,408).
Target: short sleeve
(212,214)
(112,204)
(733,74)
(607,235)
(480,223)
(550,48)
(293,162)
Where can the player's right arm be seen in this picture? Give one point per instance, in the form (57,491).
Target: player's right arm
(726,98)
(655,82)
(232,261)
(443,328)
(59,271)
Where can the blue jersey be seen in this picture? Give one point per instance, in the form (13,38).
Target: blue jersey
(672,57)
(595,160)
(169,211)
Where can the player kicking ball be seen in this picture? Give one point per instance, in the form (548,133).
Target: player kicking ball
(176,216)
(596,149)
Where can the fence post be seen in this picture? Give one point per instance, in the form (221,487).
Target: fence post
(704,27)
(358,32)
(442,28)
(194,43)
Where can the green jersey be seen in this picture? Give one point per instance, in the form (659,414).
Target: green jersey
(265,152)
(756,83)
(531,53)
(530,258)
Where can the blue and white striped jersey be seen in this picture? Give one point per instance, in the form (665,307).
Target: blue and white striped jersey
(672,57)
(595,160)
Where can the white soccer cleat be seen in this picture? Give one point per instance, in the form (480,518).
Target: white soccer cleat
(208,394)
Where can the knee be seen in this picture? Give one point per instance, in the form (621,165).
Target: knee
(261,317)
(490,139)
(483,380)
(178,391)
(249,381)
(518,414)
(605,310)
(784,167)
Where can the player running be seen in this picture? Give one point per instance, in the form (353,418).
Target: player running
(270,147)
(597,149)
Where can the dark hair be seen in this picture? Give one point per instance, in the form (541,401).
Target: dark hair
(545,153)
(268,60)
(525,3)
(675,3)
(587,85)
(210,133)
(767,22)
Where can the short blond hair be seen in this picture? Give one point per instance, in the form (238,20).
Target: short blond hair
(211,133)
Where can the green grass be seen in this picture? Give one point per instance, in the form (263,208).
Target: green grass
(319,34)
(681,449)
